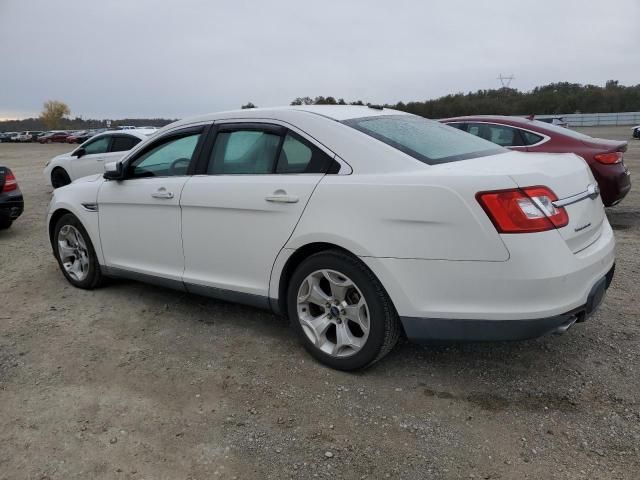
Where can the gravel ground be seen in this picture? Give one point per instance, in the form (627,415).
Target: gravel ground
(133,381)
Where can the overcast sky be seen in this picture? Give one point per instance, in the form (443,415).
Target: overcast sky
(175,58)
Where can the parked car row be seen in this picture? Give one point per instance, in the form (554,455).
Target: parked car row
(61,136)
(26,136)
(352,221)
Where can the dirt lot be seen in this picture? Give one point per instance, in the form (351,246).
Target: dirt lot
(134,381)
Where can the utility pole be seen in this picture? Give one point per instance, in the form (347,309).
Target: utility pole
(506,80)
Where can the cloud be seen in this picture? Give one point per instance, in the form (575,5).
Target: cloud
(115,59)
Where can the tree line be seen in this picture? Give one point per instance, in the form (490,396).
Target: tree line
(554,98)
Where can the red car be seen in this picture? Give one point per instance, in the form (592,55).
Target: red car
(605,157)
(54,137)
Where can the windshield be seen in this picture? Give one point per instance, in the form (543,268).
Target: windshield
(425,140)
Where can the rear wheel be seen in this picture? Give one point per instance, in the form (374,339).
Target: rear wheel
(341,312)
(75,253)
(59,177)
(5,223)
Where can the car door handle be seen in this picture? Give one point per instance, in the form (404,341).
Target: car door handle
(162,193)
(280,196)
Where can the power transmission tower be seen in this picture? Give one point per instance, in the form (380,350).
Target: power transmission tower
(506,80)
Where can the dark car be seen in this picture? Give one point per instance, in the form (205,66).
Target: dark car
(6,137)
(636,132)
(11,201)
(54,137)
(76,136)
(36,135)
(604,157)
(83,136)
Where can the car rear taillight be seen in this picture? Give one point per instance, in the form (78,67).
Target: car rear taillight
(523,210)
(608,158)
(10,183)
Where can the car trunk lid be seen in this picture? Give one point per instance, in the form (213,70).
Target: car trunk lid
(567,175)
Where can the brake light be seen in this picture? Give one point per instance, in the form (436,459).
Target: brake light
(10,183)
(523,210)
(609,158)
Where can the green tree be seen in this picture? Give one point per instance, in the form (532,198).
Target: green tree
(53,111)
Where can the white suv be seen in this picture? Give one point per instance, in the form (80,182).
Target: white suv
(357,223)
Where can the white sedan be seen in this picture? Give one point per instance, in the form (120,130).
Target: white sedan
(357,223)
(90,157)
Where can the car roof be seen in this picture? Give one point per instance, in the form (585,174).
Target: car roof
(140,133)
(333,112)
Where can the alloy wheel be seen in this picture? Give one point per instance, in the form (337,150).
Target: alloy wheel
(333,313)
(73,252)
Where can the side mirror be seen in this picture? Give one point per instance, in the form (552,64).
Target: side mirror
(113,171)
(81,152)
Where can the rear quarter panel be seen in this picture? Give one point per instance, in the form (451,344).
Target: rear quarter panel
(426,216)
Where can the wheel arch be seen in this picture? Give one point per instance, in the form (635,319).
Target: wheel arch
(279,304)
(57,168)
(55,216)
(89,222)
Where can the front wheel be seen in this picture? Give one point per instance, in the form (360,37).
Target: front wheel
(5,223)
(341,311)
(75,253)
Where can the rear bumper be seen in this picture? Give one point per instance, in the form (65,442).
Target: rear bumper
(428,330)
(614,182)
(11,205)
(541,279)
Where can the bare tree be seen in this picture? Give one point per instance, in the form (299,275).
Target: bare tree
(52,113)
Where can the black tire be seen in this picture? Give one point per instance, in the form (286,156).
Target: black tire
(59,177)
(384,325)
(94,277)
(5,223)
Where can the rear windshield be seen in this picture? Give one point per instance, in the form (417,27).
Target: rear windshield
(425,140)
(550,127)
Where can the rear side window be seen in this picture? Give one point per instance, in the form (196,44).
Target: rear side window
(248,152)
(425,140)
(297,156)
(122,144)
(458,125)
(530,138)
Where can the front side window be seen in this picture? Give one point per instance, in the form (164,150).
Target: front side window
(425,140)
(244,152)
(99,145)
(122,144)
(169,158)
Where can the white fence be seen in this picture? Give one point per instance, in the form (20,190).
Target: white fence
(597,119)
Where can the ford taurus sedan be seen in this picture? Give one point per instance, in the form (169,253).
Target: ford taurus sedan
(605,157)
(359,224)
